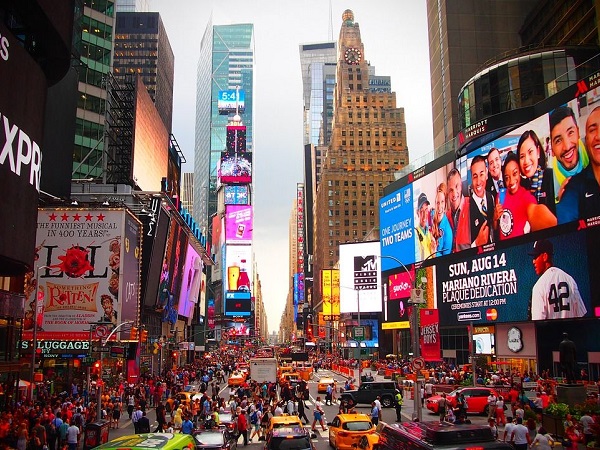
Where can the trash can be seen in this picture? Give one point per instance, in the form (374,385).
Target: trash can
(96,433)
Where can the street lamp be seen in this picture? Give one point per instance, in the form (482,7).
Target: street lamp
(414,326)
(35,329)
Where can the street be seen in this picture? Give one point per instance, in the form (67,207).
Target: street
(321,441)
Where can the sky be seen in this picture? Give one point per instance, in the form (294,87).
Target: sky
(394,34)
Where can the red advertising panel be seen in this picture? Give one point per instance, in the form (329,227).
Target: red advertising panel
(430,335)
(300,226)
(238,224)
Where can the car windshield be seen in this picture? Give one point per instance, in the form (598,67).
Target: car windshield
(357,426)
(455,392)
(290,443)
(285,424)
(225,417)
(210,438)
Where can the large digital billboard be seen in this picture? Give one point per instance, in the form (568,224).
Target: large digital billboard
(238,304)
(360,272)
(172,272)
(543,279)
(238,268)
(231,101)
(191,282)
(88,271)
(236,139)
(330,290)
(150,142)
(238,224)
(235,168)
(237,194)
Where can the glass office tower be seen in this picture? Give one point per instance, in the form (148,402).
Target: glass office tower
(226,62)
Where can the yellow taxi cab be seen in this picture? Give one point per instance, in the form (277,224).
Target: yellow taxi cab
(151,441)
(323,383)
(236,379)
(185,398)
(368,441)
(284,369)
(291,378)
(284,421)
(346,430)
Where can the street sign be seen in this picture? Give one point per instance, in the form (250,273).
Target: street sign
(359,333)
(418,363)
(98,348)
(331,318)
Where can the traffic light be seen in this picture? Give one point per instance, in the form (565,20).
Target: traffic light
(174,355)
(133,335)
(143,335)
(96,367)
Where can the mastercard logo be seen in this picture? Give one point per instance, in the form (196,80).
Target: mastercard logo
(491,314)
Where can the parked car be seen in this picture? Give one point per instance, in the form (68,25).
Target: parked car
(476,399)
(346,430)
(368,392)
(151,441)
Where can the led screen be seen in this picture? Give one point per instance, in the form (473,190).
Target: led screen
(236,139)
(191,282)
(238,304)
(482,343)
(360,273)
(231,101)
(235,168)
(238,268)
(238,224)
(237,195)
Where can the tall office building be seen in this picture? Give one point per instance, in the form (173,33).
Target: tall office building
(187,192)
(142,47)
(94,43)
(457,51)
(132,6)
(368,145)
(226,62)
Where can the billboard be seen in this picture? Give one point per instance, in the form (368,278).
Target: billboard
(22,110)
(235,142)
(88,270)
(191,282)
(370,331)
(300,226)
(238,224)
(429,334)
(526,180)
(330,290)
(238,268)
(535,280)
(238,304)
(231,101)
(360,272)
(237,194)
(131,264)
(172,272)
(150,142)
(156,230)
(235,168)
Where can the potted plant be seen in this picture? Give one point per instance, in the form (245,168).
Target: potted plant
(553,418)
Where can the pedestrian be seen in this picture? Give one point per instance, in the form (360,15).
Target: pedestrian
(242,426)
(500,417)
(73,436)
(519,437)
(328,394)
(442,405)
(301,412)
(161,417)
(143,424)
(398,400)
(187,426)
(374,413)
(491,401)
(318,414)
(130,405)
(135,417)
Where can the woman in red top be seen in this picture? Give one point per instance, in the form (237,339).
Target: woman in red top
(518,212)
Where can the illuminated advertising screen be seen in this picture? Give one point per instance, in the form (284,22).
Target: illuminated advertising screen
(231,101)
(131,261)
(191,282)
(236,139)
(238,268)
(236,329)
(397,236)
(237,195)
(235,168)
(238,224)
(330,290)
(298,289)
(238,304)
(150,142)
(87,254)
(371,331)
(300,226)
(360,272)
(536,280)
(22,109)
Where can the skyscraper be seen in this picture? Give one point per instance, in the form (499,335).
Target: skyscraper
(132,6)
(142,47)
(368,145)
(226,62)
(94,43)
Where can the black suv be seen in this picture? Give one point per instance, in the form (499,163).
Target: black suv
(368,392)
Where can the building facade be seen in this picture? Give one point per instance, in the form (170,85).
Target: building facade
(368,145)
(142,48)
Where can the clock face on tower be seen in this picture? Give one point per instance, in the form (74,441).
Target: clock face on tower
(352,55)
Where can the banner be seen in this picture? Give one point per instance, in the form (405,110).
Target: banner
(326,293)
(430,334)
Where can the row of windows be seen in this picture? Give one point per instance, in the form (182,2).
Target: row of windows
(91,76)
(91,103)
(354,194)
(368,143)
(363,212)
(96,28)
(380,99)
(353,183)
(368,133)
(376,115)
(96,53)
(347,223)
(106,7)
